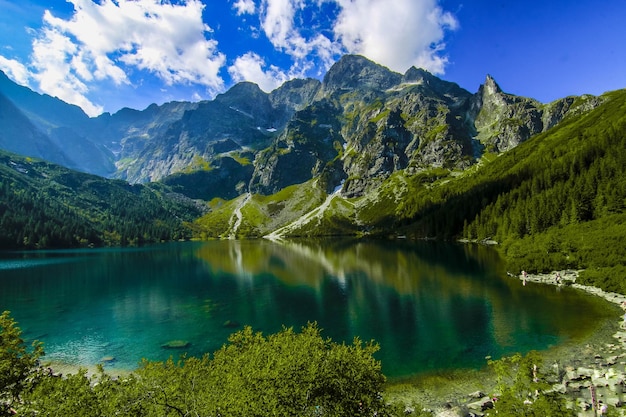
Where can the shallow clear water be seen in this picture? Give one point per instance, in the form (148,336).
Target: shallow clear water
(430,306)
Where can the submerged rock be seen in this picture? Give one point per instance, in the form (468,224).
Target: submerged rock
(231,324)
(176,344)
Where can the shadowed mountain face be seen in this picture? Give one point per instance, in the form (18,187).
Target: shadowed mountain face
(354,129)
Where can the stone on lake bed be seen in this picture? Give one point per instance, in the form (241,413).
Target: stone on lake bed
(231,324)
(176,344)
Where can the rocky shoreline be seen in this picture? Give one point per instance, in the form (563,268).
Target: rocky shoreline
(597,364)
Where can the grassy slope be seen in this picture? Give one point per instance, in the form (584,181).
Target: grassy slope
(261,214)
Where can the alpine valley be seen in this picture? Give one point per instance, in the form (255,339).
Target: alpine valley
(364,152)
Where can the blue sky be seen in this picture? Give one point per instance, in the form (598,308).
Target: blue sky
(107,54)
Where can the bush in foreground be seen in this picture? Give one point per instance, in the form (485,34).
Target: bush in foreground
(286,374)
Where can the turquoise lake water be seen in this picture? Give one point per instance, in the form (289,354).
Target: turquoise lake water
(431,306)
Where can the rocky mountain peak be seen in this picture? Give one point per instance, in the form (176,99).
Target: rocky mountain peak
(435,86)
(241,92)
(248,99)
(295,94)
(357,72)
(504,120)
(416,75)
(489,95)
(490,86)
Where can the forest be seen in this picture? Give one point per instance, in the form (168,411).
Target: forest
(43,205)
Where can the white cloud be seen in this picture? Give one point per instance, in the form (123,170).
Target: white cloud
(101,41)
(52,57)
(250,67)
(398,33)
(244,7)
(278,22)
(15,70)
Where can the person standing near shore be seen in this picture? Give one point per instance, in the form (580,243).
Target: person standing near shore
(524,274)
(603,409)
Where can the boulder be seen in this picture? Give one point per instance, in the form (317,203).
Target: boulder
(477,395)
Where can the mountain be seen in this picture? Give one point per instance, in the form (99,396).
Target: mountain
(55,131)
(351,132)
(503,121)
(367,122)
(355,128)
(355,72)
(42,109)
(20,135)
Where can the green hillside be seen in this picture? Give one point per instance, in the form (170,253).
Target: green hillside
(561,198)
(555,201)
(43,205)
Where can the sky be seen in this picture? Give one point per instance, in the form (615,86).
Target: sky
(103,55)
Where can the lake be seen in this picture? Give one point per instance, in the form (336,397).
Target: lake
(430,305)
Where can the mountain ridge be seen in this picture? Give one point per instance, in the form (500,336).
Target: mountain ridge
(356,127)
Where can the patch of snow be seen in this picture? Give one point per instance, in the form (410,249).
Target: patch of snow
(338,188)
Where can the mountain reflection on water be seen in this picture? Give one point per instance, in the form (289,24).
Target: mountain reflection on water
(430,305)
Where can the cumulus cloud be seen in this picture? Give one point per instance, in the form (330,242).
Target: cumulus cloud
(398,33)
(251,67)
(284,24)
(14,70)
(102,41)
(52,54)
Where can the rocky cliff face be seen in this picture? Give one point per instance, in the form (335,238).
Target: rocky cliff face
(293,96)
(502,121)
(242,119)
(354,72)
(354,129)
(309,142)
(377,122)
